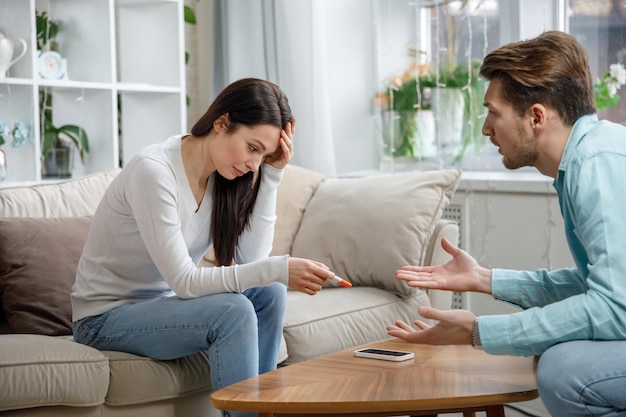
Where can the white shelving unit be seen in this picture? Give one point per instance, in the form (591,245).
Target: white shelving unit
(126,78)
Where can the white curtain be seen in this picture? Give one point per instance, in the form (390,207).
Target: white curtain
(303,67)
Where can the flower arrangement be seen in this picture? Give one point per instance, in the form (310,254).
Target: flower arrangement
(400,99)
(451,88)
(605,89)
(413,91)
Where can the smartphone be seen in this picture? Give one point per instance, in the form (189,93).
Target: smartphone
(384,354)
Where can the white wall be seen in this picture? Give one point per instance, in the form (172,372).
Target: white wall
(511,230)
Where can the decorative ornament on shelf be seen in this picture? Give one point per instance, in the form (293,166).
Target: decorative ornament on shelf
(52,66)
(605,89)
(8,55)
(20,132)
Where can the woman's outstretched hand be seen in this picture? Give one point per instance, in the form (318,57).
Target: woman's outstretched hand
(308,276)
(282,156)
(462,273)
(454,327)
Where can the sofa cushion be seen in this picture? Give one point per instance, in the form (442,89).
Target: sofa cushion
(73,197)
(339,318)
(364,229)
(38,259)
(137,380)
(294,194)
(38,371)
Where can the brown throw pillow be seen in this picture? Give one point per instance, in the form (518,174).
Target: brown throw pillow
(38,259)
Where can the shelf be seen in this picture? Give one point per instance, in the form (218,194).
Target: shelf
(146,88)
(16,81)
(139,3)
(126,79)
(73,85)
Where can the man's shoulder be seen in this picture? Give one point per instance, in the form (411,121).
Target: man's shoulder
(605,138)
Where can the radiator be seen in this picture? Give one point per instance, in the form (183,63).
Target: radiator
(456,212)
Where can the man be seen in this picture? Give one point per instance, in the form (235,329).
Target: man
(542,113)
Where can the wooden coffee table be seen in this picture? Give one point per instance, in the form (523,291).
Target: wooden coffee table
(440,379)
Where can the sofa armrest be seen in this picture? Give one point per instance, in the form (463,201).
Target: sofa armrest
(435,255)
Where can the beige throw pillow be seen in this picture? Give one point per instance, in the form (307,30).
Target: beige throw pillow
(364,229)
(294,193)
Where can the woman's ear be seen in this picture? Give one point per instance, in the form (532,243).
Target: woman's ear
(221,123)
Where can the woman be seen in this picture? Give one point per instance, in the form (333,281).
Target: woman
(138,287)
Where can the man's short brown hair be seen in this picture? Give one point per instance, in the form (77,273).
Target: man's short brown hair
(551,69)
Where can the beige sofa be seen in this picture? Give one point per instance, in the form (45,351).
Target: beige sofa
(362,228)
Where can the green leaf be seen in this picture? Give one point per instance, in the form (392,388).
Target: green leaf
(49,137)
(190,15)
(69,133)
(78,136)
(47,30)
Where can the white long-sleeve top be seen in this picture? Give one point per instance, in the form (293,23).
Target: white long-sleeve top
(146,238)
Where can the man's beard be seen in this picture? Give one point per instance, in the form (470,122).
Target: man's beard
(524,153)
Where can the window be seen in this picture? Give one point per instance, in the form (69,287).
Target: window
(600,25)
(423,45)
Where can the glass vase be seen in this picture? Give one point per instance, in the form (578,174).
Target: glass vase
(59,162)
(449,108)
(408,141)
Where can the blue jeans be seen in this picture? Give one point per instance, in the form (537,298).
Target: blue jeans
(241,332)
(584,378)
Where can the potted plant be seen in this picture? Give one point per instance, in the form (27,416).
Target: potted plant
(57,148)
(58,143)
(47,30)
(451,91)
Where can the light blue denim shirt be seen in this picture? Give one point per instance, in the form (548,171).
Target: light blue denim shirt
(588,301)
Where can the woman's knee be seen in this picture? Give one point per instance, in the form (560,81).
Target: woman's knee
(278,295)
(270,298)
(239,307)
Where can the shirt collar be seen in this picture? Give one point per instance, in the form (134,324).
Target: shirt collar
(583,125)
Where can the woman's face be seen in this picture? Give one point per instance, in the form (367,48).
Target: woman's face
(238,152)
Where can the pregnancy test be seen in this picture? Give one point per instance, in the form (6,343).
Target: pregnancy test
(341,281)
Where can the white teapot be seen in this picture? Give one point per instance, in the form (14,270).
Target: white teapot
(6,53)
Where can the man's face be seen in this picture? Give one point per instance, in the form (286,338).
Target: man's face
(511,133)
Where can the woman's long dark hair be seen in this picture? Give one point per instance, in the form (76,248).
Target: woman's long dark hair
(249,102)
